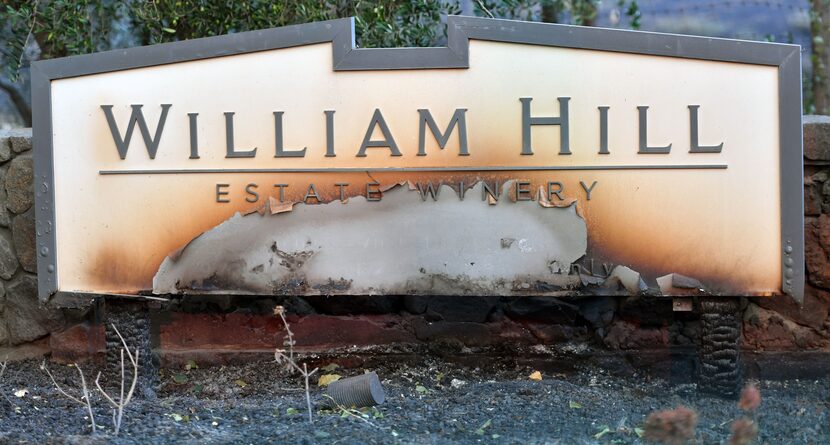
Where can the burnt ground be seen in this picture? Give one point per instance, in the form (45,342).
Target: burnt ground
(258,403)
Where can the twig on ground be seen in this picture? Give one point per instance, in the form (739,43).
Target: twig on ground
(281,357)
(84,400)
(123,400)
(350,412)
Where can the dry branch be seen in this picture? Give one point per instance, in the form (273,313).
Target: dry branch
(281,357)
(84,400)
(123,400)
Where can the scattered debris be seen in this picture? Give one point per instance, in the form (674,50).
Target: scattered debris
(179,379)
(627,278)
(605,430)
(676,284)
(536,375)
(279,207)
(327,379)
(331,367)
(684,282)
(456,383)
(484,426)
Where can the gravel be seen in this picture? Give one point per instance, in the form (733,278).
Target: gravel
(433,402)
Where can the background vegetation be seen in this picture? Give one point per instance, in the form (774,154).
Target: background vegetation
(33,29)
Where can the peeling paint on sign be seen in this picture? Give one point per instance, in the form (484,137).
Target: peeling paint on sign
(399,245)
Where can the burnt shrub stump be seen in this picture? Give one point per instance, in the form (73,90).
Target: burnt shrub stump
(720,349)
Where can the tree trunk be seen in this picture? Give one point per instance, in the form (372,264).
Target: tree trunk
(18,100)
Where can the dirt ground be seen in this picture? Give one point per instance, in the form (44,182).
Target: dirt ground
(433,402)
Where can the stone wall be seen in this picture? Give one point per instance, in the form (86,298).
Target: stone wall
(213,329)
(778,323)
(21,318)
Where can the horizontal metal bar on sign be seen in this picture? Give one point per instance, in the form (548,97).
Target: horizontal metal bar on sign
(414,169)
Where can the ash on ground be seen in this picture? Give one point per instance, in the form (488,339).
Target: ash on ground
(431,402)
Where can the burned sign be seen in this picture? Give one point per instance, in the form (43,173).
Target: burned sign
(520,159)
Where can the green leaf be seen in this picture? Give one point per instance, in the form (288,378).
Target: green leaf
(639,432)
(291,411)
(179,379)
(179,418)
(169,30)
(420,389)
(191,364)
(327,379)
(240,383)
(485,425)
(605,430)
(330,367)
(574,405)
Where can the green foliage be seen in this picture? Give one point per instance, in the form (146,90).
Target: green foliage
(384,23)
(576,12)
(632,11)
(391,23)
(159,21)
(70,27)
(60,28)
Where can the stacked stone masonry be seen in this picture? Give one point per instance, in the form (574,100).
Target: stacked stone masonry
(22,319)
(188,329)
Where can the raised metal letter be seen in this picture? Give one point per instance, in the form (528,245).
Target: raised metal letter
(696,147)
(230,152)
(137,117)
(644,148)
(388,140)
(281,151)
(561,120)
(457,118)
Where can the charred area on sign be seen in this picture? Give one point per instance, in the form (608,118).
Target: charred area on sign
(277,268)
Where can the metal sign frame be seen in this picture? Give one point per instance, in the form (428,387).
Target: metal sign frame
(455,55)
